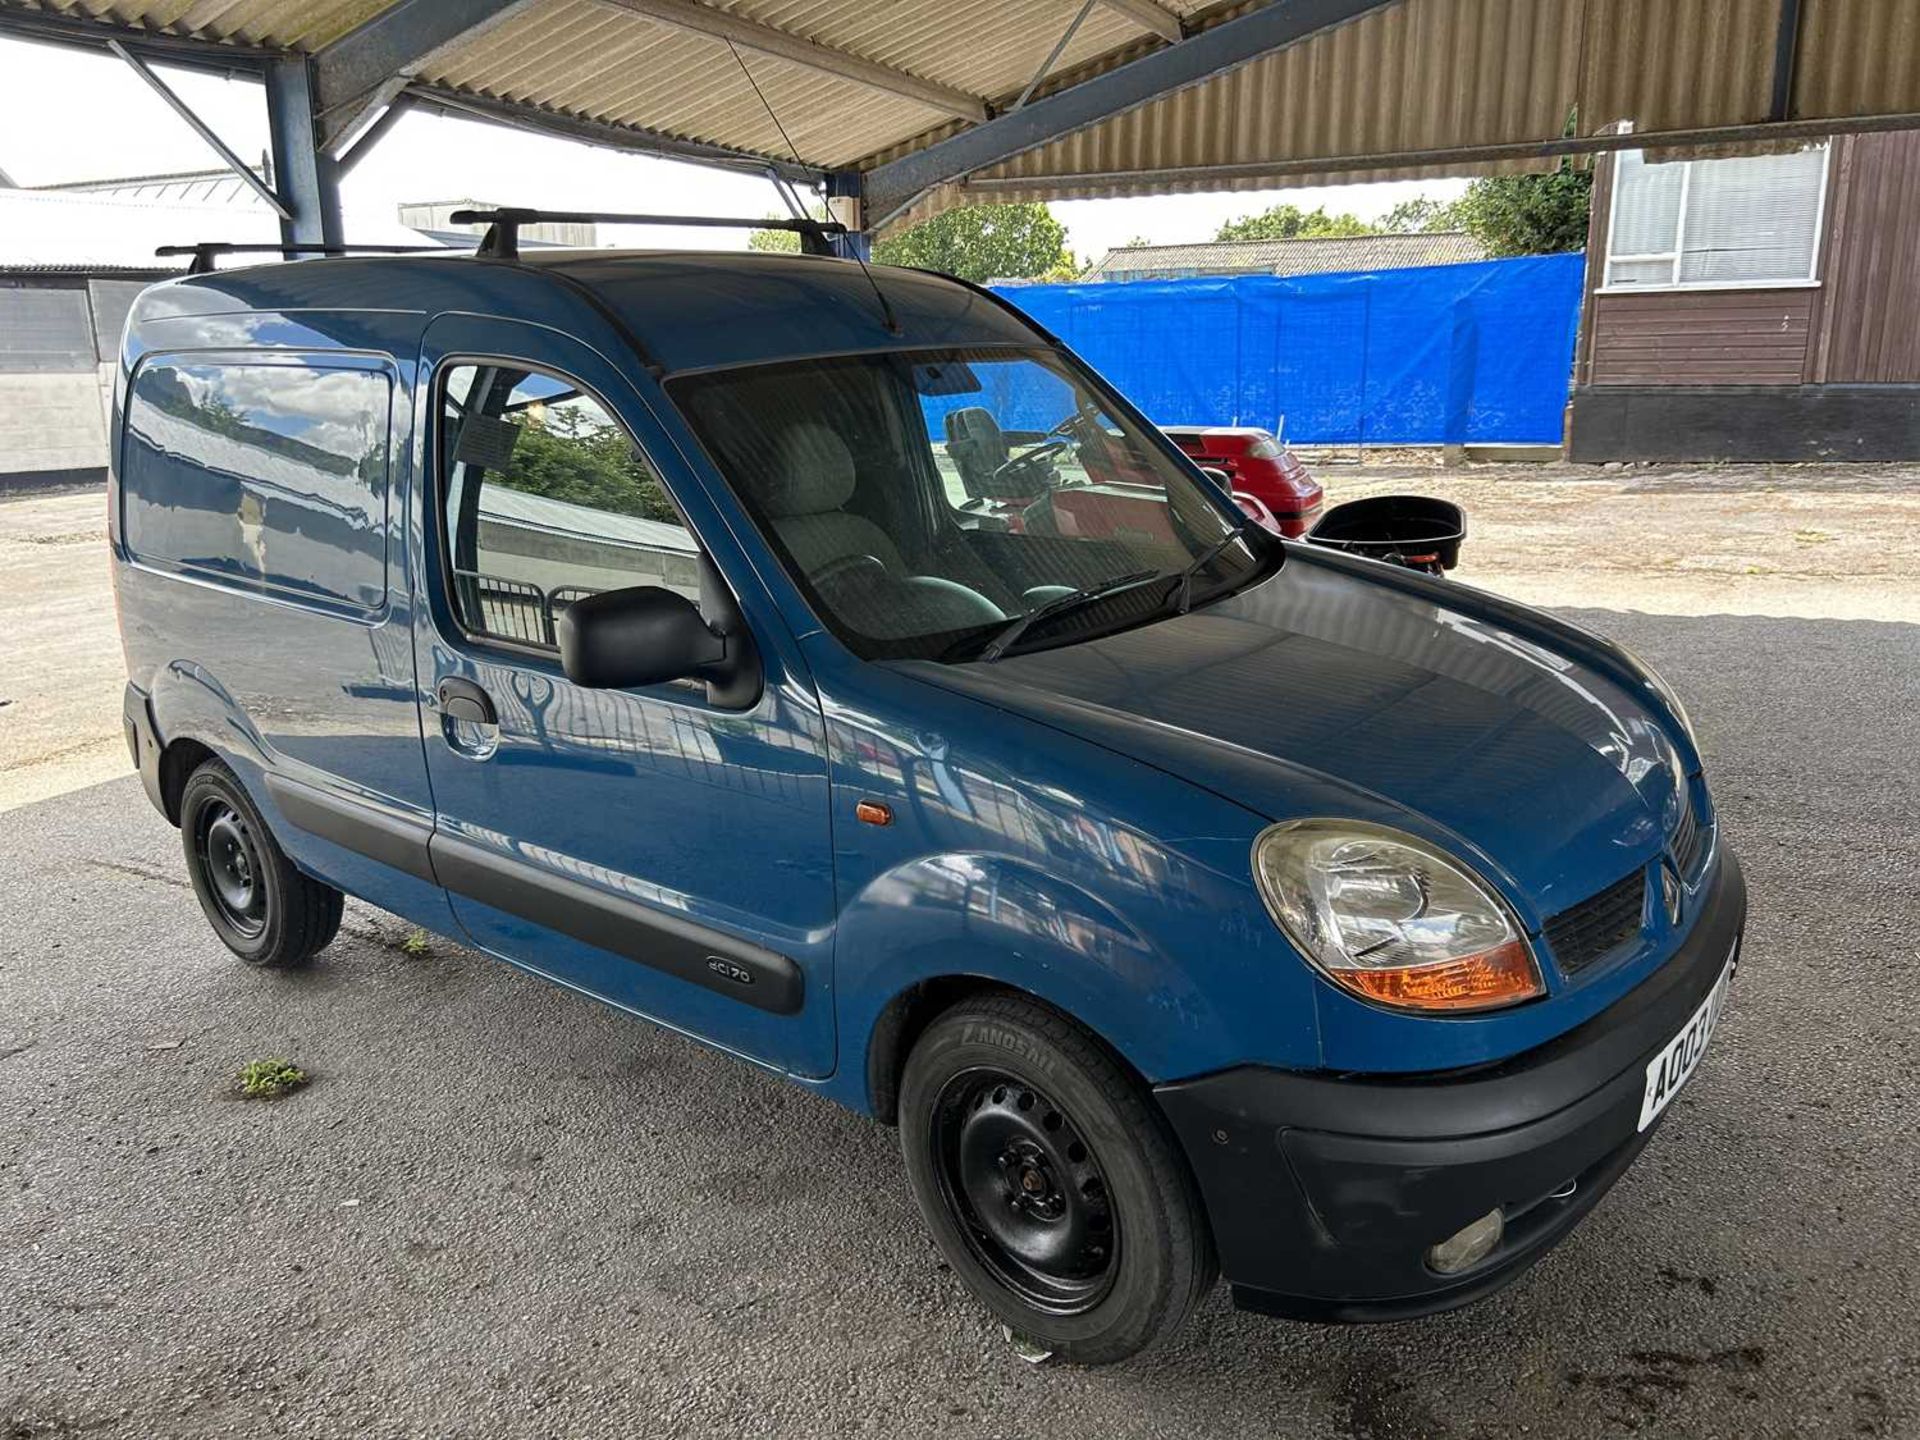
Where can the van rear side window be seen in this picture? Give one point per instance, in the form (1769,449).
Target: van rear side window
(266,475)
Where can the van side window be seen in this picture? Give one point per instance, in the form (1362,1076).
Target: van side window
(263,476)
(545,499)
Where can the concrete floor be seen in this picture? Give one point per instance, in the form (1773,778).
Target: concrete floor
(502,1210)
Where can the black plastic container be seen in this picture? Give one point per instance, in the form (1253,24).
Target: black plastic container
(1416,531)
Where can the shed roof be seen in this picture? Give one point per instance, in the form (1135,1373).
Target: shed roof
(1319,255)
(1143,96)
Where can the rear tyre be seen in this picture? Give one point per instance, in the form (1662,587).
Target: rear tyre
(1051,1184)
(266,911)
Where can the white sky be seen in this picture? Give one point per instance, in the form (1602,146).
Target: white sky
(74,115)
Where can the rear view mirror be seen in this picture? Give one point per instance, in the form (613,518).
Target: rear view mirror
(644,635)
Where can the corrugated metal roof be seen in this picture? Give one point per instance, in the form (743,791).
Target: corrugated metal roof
(1320,255)
(1371,99)
(81,271)
(190,187)
(1458,72)
(563,517)
(279,24)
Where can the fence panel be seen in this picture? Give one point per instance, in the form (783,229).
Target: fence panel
(1442,354)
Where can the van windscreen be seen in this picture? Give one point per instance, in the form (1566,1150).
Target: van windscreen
(926,501)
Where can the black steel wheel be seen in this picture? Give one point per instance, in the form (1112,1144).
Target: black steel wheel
(226,848)
(266,910)
(1050,1181)
(1028,1190)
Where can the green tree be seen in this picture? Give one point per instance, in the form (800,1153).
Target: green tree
(567,455)
(777,242)
(1421,214)
(1528,214)
(1290,222)
(974,242)
(981,242)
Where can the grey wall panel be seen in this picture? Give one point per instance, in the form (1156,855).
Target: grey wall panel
(43,329)
(111,300)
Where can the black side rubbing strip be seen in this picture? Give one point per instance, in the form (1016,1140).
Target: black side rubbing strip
(680,947)
(378,834)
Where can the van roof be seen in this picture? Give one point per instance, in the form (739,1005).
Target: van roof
(688,310)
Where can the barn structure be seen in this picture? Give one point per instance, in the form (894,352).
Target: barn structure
(897,110)
(894,112)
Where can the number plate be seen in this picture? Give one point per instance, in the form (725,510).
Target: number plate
(1677,1061)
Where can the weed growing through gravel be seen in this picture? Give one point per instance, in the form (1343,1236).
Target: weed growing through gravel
(416,944)
(270,1079)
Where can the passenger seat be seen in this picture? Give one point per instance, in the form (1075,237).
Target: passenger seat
(811,480)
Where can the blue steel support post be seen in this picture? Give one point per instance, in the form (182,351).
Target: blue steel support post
(303,173)
(845,186)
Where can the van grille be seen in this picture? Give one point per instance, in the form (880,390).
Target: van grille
(1599,924)
(1689,838)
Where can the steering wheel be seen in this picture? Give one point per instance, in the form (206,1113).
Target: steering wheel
(1032,471)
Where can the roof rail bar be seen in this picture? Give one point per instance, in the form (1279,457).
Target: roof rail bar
(205,252)
(502,240)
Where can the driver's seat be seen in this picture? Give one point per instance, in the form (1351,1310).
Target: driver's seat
(978,447)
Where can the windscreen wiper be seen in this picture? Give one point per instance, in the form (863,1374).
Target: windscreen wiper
(1020,624)
(1182,594)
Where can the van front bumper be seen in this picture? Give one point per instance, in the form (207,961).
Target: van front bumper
(1325,1194)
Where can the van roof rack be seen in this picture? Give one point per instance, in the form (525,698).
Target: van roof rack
(502,240)
(205,252)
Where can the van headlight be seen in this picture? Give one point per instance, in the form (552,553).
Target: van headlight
(1390,918)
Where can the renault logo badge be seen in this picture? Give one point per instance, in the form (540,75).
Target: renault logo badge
(1671,893)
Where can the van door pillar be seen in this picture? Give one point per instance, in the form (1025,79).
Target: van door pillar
(305,175)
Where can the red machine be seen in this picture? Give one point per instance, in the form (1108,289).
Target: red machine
(1259,464)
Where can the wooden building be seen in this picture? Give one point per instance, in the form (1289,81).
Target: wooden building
(1753,307)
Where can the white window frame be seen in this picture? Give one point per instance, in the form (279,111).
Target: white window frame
(1811,281)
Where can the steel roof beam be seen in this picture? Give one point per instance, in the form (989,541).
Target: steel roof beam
(361,73)
(1756,132)
(1150,16)
(1227,46)
(596,132)
(200,127)
(372,135)
(1786,55)
(795,50)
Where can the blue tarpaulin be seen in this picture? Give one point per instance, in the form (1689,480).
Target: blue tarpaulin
(1440,354)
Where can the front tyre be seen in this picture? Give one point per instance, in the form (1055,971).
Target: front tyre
(1050,1182)
(266,911)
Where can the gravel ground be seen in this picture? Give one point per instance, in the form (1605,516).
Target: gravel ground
(1826,542)
(502,1210)
(61,670)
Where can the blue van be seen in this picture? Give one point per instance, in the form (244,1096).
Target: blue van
(1194,902)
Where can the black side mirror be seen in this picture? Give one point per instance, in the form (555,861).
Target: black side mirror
(644,635)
